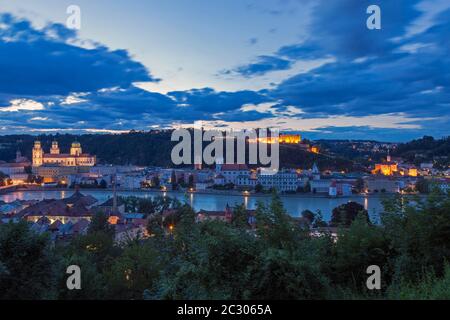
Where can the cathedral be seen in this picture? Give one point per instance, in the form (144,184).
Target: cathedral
(76,157)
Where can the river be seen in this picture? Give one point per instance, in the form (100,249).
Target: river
(294,204)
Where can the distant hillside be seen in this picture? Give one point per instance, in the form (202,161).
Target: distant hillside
(147,149)
(425,149)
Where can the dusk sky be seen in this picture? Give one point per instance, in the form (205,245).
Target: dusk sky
(306,66)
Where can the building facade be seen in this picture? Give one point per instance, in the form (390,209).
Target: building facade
(75,158)
(282,181)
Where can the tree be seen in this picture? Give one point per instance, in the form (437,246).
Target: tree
(173,180)
(240,218)
(155,182)
(422,186)
(309,216)
(136,269)
(259,188)
(103,184)
(28,268)
(358,247)
(146,206)
(359,186)
(191,183)
(100,223)
(346,213)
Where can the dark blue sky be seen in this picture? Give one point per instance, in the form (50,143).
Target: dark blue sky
(306,66)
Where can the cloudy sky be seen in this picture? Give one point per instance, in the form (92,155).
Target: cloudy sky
(298,65)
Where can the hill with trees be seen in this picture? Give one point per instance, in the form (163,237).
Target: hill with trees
(152,148)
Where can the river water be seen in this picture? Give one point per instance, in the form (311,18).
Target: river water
(294,204)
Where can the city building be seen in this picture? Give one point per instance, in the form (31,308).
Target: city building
(282,181)
(320,186)
(57,167)
(282,138)
(381,184)
(246,181)
(75,158)
(231,172)
(72,209)
(225,216)
(16,170)
(387,168)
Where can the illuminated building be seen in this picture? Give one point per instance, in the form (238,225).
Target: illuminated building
(283,138)
(76,157)
(387,168)
(412,172)
(290,138)
(56,166)
(315,149)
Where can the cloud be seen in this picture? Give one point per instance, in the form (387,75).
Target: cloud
(341,81)
(261,65)
(43,62)
(22,105)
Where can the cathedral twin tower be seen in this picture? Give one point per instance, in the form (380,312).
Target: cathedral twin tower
(76,157)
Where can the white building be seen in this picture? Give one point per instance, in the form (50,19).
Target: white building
(281,181)
(320,186)
(230,172)
(246,181)
(130,181)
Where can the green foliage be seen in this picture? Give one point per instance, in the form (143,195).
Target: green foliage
(429,287)
(136,269)
(151,148)
(27,264)
(346,213)
(358,247)
(240,218)
(100,223)
(279,259)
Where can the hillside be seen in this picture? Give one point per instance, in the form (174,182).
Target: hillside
(151,148)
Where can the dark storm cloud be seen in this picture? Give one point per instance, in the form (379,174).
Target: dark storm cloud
(261,65)
(42,62)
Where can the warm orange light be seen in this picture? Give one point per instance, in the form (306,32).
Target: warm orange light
(412,172)
(385,169)
(283,138)
(113,219)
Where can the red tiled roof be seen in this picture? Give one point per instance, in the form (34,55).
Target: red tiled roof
(13,165)
(56,225)
(234,166)
(55,208)
(80,226)
(212,213)
(65,155)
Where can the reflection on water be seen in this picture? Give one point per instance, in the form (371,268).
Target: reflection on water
(246,202)
(294,205)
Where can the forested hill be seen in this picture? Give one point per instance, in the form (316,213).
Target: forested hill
(425,149)
(151,148)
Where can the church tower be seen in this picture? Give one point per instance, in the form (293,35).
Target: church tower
(315,172)
(38,154)
(18,156)
(55,148)
(76,150)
